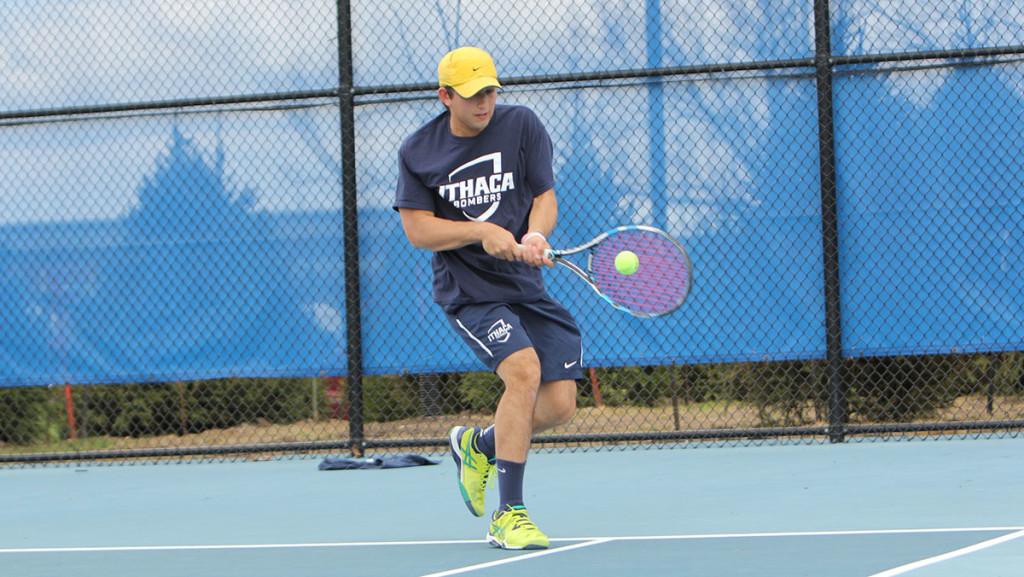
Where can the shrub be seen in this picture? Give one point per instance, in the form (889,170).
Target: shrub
(480,392)
(30,415)
(390,398)
(902,389)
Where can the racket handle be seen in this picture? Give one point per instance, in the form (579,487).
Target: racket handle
(548,253)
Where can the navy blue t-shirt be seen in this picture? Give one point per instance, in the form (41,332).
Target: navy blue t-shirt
(493,177)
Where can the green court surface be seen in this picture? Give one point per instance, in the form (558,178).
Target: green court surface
(936,508)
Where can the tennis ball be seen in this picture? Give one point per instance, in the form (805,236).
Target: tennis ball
(626,262)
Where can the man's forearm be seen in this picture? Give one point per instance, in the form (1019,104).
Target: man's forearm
(544,214)
(436,234)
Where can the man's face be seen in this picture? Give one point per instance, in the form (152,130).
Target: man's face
(469,116)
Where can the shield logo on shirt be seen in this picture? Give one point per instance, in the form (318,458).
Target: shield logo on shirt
(464,191)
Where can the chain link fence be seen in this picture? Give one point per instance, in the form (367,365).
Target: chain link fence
(198,255)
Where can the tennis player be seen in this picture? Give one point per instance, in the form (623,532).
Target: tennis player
(474,184)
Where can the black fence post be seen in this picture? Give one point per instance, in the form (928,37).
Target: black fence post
(829,222)
(346,104)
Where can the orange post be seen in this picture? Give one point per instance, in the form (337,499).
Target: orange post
(595,387)
(335,394)
(69,407)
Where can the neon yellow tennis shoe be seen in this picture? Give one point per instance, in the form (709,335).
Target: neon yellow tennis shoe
(474,468)
(513,529)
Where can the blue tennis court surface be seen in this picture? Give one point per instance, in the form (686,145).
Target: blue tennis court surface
(927,509)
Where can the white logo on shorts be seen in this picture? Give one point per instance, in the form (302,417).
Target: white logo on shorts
(499,332)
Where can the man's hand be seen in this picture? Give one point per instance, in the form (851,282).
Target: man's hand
(534,245)
(500,243)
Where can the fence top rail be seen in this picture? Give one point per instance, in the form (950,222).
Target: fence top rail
(639,73)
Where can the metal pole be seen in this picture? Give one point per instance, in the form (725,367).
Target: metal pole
(656,115)
(351,229)
(829,222)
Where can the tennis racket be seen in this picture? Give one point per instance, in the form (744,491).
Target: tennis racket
(661,282)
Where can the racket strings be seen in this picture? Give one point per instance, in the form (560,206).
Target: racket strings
(660,283)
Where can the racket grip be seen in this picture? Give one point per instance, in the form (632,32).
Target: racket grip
(548,253)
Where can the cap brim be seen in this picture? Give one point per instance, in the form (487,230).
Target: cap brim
(469,89)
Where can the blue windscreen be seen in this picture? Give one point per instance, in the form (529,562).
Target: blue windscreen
(205,241)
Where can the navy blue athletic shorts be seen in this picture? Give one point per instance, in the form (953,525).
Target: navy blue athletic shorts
(496,330)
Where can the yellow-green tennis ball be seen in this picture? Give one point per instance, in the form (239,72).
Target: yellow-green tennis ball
(626,262)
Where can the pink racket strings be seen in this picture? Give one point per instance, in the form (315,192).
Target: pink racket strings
(660,284)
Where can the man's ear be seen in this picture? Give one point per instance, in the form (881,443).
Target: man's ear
(445,96)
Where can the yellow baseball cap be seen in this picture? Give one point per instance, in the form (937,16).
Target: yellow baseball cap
(468,70)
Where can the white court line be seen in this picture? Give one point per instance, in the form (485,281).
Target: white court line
(101,549)
(951,555)
(230,547)
(508,560)
(801,534)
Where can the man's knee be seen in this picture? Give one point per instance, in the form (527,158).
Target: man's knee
(521,370)
(565,407)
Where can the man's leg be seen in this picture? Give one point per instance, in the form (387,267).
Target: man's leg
(527,406)
(520,373)
(494,333)
(511,527)
(556,405)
